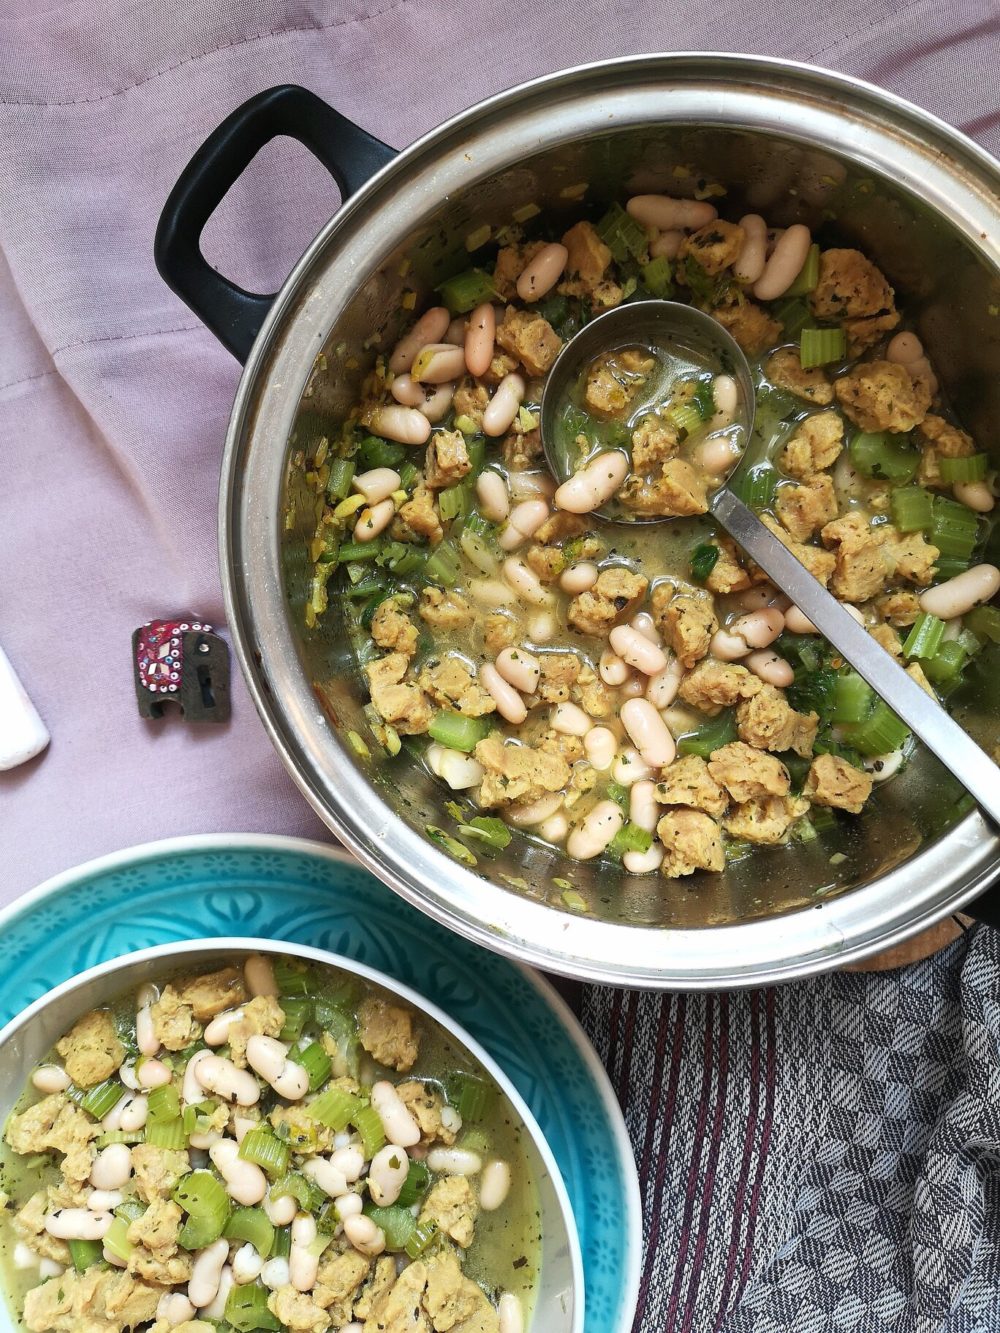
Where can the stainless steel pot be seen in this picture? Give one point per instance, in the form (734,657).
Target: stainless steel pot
(792,142)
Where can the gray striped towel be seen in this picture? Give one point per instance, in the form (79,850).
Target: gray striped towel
(819,1158)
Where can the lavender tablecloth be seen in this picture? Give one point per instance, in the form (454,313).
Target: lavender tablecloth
(113,404)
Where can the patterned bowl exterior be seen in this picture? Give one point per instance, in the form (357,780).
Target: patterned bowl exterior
(286,889)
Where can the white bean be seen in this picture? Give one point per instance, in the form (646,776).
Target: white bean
(400,1127)
(534,812)
(904,348)
(636,650)
(275,1274)
(437,363)
(543,272)
(145,1032)
(436,405)
(406,390)
(648,732)
(364,1235)
(153,1074)
(643,808)
(579,578)
(113,1120)
(659,210)
(112,1167)
(303,1266)
(455,333)
(975,495)
(50,1078)
(429,328)
(49,1268)
(217,1031)
(884,766)
(759,628)
(326,1175)
(716,455)
(519,668)
(784,264)
(492,593)
(542,627)
(78,1224)
(454,1162)
(594,484)
(646,626)
(510,1313)
(349,1160)
(846,479)
(24,1257)
(641,863)
(192,1087)
(798,622)
(961,593)
(373,520)
(405,425)
(219,1075)
(634,687)
(216,1307)
(612,669)
(493,496)
(754,599)
(662,688)
(570,720)
(666,245)
(269,1058)
(247,1264)
(592,835)
(387,1174)
(750,264)
(530,485)
(726,393)
(480,335)
(375,486)
(258,972)
(459,770)
(174,1308)
(509,703)
(348,1205)
(127,1075)
(555,828)
(629,767)
(502,407)
(280,1211)
(525,582)
(104,1201)
(921,369)
(771,668)
(601,746)
(525,520)
(245,1181)
(494,1185)
(134,1115)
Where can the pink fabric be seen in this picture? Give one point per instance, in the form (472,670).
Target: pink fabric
(114,400)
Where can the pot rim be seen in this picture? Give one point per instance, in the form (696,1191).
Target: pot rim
(935,882)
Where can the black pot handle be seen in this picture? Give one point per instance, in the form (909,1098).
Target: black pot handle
(349,153)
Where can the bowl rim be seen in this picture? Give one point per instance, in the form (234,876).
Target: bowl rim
(228,944)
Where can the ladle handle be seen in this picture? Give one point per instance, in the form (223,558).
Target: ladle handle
(928,721)
(349,153)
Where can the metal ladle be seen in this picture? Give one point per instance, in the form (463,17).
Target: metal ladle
(668,325)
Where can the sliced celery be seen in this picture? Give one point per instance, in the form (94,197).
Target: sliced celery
(924,638)
(757,485)
(884,456)
(334,1108)
(808,274)
(415,1185)
(396,1222)
(972,468)
(954,528)
(911,508)
(711,737)
(881,732)
(457,731)
(487,829)
(658,276)
(630,838)
(946,664)
(338,483)
(315,1061)
(86,1252)
(247,1309)
(263,1147)
(466,290)
(368,1123)
(469,1094)
(820,347)
(444,565)
(984,621)
(98,1101)
(623,236)
(422,1238)
(850,700)
(203,1197)
(253,1226)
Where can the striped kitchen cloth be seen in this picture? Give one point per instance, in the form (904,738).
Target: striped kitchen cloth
(819,1158)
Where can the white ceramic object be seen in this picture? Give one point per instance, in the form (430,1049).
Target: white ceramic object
(23,734)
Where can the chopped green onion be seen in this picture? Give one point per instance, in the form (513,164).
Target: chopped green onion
(850,700)
(167,1134)
(450,845)
(131,1137)
(884,456)
(469,1094)
(396,1222)
(947,566)
(954,528)
(293,976)
(375,452)
(629,838)
(308,1196)
(703,560)
(984,621)
(619,794)
(972,468)
(881,732)
(411,562)
(466,290)
(457,731)
(685,417)
(812,689)
(247,1308)
(658,276)
(553,309)
(263,1147)
(315,1061)
(911,508)
(368,1123)
(476,447)
(757,485)
(704,399)
(488,829)
(946,664)
(297,1011)
(924,638)
(794,316)
(338,484)
(819,347)
(334,1108)
(422,1237)
(711,737)
(102,1099)
(444,565)
(415,1185)
(808,275)
(453,501)
(203,1197)
(623,236)
(357,551)
(87,1252)
(164,1104)
(251,1225)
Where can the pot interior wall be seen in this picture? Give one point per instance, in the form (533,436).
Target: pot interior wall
(942,285)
